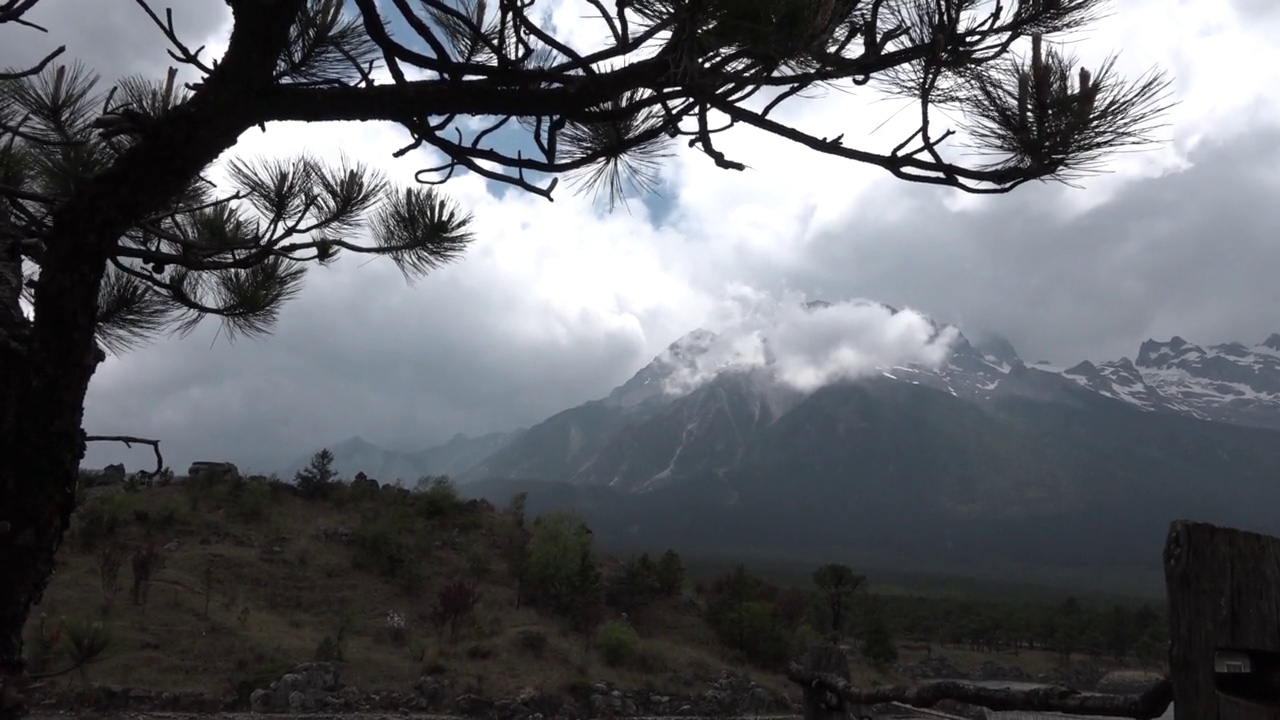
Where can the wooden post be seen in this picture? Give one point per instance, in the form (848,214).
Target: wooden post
(831,660)
(1224,595)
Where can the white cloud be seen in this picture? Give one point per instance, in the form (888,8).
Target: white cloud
(807,348)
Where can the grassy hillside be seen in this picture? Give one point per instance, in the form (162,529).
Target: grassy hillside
(248,583)
(249,589)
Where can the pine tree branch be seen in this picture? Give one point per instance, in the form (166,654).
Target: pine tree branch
(129,440)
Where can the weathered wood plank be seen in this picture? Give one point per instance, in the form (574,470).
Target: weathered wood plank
(825,660)
(1224,593)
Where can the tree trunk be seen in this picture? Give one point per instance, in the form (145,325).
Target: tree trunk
(46,363)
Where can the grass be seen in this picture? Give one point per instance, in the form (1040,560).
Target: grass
(251,590)
(274,591)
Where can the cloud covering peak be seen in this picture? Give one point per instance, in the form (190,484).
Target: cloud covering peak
(807,345)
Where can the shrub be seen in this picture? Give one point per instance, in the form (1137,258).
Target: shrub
(532,641)
(479,652)
(455,603)
(100,521)
(329,650)
(380,547)
(249,501)
(436,497)
(619,644)
(878,645)
(85,642)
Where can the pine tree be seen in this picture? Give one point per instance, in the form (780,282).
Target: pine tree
(318,478)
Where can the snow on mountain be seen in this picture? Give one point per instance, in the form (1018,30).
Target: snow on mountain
(1230,382)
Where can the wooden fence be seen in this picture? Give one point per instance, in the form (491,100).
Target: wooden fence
(1223,589)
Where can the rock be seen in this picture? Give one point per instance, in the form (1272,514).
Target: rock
(112,475)
(471,705)
(259,700)
(212,471)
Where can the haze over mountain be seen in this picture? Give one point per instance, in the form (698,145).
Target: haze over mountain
(912,447)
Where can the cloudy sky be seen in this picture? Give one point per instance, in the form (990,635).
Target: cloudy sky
(556,303)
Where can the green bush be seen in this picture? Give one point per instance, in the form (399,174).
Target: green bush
(99,521)
(249,501)
(532,641)
(619,643)
(329,650)
(385,545)
(436,497)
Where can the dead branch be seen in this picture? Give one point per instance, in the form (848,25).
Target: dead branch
(129,440)
(1152,703)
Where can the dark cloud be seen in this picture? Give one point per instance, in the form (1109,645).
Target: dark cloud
(1192,253)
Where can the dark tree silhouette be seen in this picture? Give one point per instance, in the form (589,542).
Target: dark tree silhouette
(837,583)
(109,235)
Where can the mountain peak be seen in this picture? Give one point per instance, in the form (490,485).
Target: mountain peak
(998,347)
(1154,354)
(1272,342)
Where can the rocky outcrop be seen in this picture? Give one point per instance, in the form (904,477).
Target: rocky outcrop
(316,688)
(214,472)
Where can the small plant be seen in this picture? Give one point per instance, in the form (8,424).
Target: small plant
(164,478)
(619,644)
(243,616)
(477,563)
(145,563)
(100,521)
(479,652)
(110,559)
(44,646)
(206,585)
(329,650)
(397,626)
(455,603)
(417,650)
(85,642)
(331,647)
(532,641)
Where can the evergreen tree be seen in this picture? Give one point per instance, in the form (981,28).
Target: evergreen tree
(318,478)
(670,573)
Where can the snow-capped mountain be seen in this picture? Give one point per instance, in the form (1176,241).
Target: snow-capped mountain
(1230,383)
(979,458)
